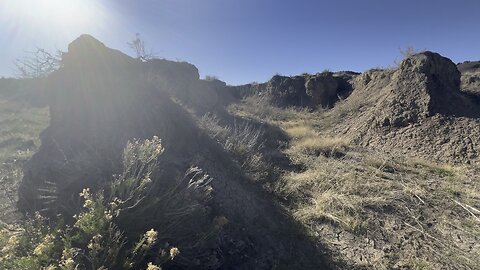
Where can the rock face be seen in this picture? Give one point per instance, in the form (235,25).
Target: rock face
(287,90)
(319,90)
(322,89)
(470,76)
(100,99)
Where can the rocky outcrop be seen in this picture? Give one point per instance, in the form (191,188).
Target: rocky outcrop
(319,90)
(416,109)
(469,66)
(425,107)
(322,89)
(287,91)
(470,80)
(102,98)
(423,85)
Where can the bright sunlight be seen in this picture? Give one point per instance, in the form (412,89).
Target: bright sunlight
(60,17)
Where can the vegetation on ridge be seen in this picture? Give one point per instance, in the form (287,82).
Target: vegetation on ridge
(94,240)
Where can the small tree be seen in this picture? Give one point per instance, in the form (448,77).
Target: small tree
(138,45)
(38,64)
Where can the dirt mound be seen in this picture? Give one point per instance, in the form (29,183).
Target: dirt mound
(100,99)
(424,84)
(417,109)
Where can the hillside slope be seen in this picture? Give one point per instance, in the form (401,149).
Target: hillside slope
(387,177)
(335,170)
(99,100)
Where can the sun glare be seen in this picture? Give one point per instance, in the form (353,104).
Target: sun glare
(60,17)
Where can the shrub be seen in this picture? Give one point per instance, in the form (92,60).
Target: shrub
(139,47)
(94,240)
(38,64)
(240,139)
(244,141)
(405,53)
(211,78)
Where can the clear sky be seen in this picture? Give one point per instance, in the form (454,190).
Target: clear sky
(242,41)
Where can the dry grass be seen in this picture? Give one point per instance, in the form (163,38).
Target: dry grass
(20,127)
(300,131)
(356,198)
(334,190)
(244,141)
(307,140)
(320,145)
(442,169)
(419,214)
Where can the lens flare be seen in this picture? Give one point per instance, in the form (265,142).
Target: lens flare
(54,17)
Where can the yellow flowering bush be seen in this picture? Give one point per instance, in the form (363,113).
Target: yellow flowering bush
(151,266)
(44,249)
(174,252)
(139,162)
(94,240)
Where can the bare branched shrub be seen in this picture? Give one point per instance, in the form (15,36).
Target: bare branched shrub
(408,51)
(138,45)
(38,64)
(405,53)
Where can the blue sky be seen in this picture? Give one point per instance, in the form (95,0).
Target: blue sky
(241,41)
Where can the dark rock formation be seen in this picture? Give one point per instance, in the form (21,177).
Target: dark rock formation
(470,77)
(322,89)
(424,108)
(102,98)
(287,91)
(319,90)
(424,85)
